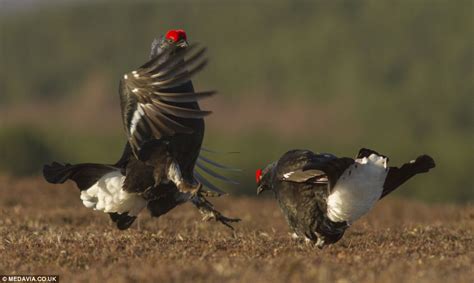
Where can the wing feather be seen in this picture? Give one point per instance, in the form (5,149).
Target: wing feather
(300,176)
(150,107)
(204,149)
(185,97)
(180,111)
(331,166)
(179,78)
(180,67)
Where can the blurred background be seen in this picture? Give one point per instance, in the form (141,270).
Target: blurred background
(330,76)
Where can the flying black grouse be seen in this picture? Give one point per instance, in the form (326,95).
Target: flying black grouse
(165,129)
(321,195)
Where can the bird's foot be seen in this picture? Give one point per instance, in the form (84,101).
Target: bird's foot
(320,243)
(295,236)
(209,194)
(210,213)
(217,216)
(299,239)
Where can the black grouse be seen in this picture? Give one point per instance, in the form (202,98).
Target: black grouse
(165,128)
(321,195)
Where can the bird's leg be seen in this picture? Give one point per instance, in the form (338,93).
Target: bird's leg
(175,176)
(320,240)
(320,243)
(210,213)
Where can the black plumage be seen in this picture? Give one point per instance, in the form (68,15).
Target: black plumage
(314,190)
(165,128)
(161,115)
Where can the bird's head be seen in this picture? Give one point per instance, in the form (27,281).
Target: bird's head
(264,178)
(175,38)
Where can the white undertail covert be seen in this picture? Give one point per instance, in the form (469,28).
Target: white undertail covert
(358,189)
(107,195)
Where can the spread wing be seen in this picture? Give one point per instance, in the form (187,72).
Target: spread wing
(206,169)
(150,110)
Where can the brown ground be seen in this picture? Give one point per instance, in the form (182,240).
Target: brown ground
(44,229)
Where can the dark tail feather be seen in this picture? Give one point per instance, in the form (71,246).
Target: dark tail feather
(56,173)
(397,176)
(122,220)
(85,175)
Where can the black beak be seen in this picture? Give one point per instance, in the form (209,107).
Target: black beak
(182,44)
(260,189)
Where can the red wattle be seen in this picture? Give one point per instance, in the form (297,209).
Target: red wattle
(258,175)
(176,34)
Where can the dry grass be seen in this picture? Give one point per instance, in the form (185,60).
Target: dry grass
(45,230)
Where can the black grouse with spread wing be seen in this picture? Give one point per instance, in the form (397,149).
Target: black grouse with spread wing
(321,195)
(165,129)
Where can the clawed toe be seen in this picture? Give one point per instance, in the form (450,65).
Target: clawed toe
(221,218)
(209,194)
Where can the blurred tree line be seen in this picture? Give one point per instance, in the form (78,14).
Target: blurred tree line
(395,76)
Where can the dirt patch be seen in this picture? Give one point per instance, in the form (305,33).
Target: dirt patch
(44,229)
